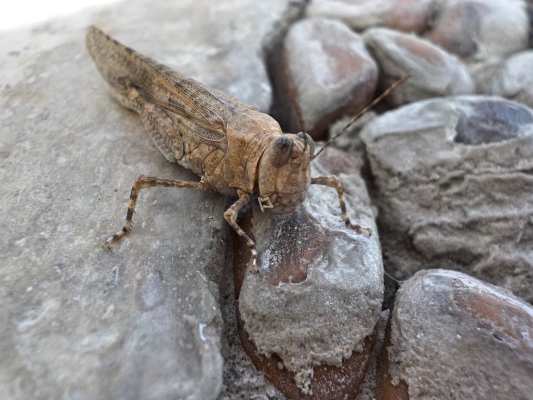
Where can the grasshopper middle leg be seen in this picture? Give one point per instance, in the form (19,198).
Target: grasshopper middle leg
(333,182)
(148,181)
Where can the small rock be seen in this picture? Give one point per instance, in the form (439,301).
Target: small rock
(454,336)
(479,30)
(454,188)
(436,73)
(316,302)
(332,71)
(405,15)
(515,80)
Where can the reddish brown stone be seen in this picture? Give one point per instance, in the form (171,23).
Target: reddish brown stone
(331,70)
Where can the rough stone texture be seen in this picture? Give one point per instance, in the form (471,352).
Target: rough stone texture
(515,79)
(454,336)
(336,304)
(332,72)
(404,15)
(143,320)
(436,73)
(454,188)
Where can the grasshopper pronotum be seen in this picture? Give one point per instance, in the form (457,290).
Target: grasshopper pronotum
(235,149)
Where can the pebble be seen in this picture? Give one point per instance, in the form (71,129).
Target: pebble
(515,79)
(478,30)
(473,337)
(436,72)
(332,72)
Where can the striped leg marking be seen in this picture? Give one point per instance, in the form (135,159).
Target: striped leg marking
(231,216)
(333,182)
(148,181)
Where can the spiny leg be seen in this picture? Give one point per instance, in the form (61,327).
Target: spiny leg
(333,182)
(148,181)
(231,216)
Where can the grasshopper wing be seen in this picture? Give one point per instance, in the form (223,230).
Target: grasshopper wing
(200,110)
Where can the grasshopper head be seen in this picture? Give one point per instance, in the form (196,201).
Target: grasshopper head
(285,172)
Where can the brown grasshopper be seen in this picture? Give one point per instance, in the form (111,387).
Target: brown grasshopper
(235,149)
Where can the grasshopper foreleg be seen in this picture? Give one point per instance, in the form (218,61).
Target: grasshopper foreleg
(231,216)
(148,181)
(333,182)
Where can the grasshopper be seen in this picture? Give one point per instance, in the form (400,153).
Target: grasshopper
(234,149)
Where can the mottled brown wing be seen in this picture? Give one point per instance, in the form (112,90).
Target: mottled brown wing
(206,110)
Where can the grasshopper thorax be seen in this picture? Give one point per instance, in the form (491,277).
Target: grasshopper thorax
(284,173)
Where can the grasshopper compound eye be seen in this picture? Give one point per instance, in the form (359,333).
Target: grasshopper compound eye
(281,151)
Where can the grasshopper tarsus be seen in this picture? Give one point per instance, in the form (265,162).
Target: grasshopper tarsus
(116,237)
(358,228)
(254,269)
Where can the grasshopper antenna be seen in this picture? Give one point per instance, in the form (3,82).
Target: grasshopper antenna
(365,110)
(295,102)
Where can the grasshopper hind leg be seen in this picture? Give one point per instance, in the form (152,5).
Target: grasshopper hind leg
(148,181)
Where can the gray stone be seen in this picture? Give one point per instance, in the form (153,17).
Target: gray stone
(515,80)
(407,15)
(436,72)
(454,336)
(324,317)
(332,72)
(454,188)
(141,321)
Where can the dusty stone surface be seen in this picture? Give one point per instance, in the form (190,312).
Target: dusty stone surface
(515,80)
(474,338)
(79,321)
(327,315)
(454,188)
(405,15)
(332,72)
(436,72)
